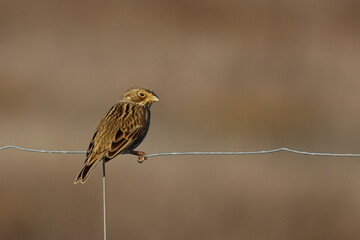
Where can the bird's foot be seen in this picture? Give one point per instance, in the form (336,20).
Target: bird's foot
(141,156)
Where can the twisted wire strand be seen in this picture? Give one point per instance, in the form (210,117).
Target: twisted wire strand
(177,154)
(41,150)
(283,149)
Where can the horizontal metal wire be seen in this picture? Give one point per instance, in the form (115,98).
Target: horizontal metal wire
(41,151)
(198,153)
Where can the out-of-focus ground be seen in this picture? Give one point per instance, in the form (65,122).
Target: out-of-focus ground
(231,76)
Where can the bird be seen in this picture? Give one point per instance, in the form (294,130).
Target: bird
(123,127)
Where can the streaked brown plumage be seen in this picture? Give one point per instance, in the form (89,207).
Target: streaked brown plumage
(121,130)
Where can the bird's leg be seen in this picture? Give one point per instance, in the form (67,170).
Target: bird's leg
(141,155)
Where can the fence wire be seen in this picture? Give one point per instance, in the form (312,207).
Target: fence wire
(283,149)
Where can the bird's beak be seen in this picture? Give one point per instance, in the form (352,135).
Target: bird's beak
(153,98)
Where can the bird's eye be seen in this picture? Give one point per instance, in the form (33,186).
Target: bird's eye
(141,94)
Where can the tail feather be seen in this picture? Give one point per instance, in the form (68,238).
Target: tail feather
(85,172)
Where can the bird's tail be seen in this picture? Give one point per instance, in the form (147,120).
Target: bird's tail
(85,172)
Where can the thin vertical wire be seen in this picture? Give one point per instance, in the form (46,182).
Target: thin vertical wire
(104,198)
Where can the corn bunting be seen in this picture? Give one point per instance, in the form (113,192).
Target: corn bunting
(121,130)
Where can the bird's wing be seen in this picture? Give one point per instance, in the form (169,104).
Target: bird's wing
(94,152)
(117,131)
(123,140)
(91,146)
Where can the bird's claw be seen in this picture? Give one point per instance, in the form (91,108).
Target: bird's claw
(141,158)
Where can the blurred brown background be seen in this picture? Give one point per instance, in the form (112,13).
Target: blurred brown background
(231,76)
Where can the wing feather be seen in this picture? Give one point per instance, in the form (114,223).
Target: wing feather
(123,143)
(122,129)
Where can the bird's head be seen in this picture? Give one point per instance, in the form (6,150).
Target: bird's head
(141,96)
